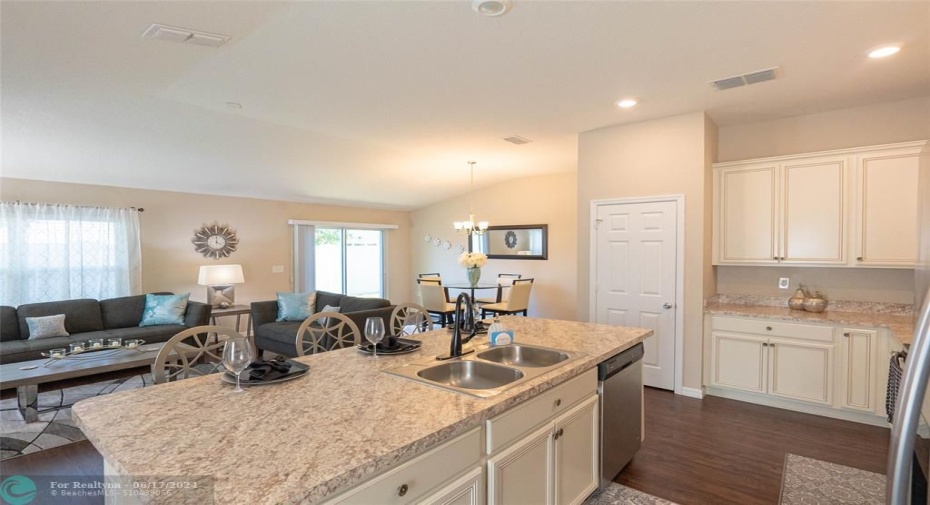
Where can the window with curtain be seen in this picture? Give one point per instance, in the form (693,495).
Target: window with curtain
(61,252)
(340,259)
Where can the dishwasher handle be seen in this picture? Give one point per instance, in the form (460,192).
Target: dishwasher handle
(616,364)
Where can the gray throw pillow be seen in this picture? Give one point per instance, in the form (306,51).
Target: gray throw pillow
(324,321)
(45,327)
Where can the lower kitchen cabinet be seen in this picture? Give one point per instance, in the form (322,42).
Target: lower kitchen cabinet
(858,387)
(823,369)
(468,490)
(556,464)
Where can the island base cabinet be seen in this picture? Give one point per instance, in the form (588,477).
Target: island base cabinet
(439,469)
(555,465)
(577,460)
(521,474)
(468,490)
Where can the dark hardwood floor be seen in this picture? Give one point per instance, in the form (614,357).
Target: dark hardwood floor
(723,451)
(711,451)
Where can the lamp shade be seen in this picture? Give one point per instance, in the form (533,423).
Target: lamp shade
(220,275)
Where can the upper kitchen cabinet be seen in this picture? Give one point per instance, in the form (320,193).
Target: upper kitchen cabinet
(854,207)
(886,207)
(790,211)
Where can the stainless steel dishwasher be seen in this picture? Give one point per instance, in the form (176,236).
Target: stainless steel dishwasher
(620,387)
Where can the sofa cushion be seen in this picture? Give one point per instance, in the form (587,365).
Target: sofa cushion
(122,312)
(164,309)
(46,326)
(324,298)
(355,304)
(9,325)
(81,315)
(151,334)
(278,337)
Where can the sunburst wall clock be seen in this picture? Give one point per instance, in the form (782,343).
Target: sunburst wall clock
(215,241)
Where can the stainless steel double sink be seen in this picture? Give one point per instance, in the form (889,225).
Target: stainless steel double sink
(487,371)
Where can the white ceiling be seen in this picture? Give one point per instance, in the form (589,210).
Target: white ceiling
(382,103)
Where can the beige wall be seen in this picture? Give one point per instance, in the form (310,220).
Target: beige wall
(860,126)
(882,123)
(661,157)
(169,262)
(547,199)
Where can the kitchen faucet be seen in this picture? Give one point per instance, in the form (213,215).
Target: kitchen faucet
(462,321)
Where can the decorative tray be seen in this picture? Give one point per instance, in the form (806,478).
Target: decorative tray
(405,346)
(297,369)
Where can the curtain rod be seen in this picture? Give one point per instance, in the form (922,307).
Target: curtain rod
(140,209)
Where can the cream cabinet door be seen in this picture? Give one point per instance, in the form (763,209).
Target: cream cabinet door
(800,371)
(577,469)
(522,473)
(814,210)
(464,491)
(746,207)
(858,369)
(738,362)
(886,208)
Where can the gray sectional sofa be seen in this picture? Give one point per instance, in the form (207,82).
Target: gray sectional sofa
(280,337)
(86,319)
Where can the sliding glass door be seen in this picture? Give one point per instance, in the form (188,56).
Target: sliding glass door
(349,261)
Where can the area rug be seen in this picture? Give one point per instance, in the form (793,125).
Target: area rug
(617,494)
(813,482)
(54,427)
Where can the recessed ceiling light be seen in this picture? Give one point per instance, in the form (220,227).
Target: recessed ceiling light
(233,105)
(626,103)
(882,52)
(492,8)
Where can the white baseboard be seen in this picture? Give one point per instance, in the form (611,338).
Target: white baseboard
(820,410)
(692,392)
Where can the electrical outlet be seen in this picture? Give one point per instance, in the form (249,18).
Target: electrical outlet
(783,283)
(277,269)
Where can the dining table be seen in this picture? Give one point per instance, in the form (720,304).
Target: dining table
(471,288)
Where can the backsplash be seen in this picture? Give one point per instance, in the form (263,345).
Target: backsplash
(833,305)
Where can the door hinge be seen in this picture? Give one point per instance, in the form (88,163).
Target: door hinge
(597,223)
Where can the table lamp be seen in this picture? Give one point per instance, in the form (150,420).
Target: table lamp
(220,281)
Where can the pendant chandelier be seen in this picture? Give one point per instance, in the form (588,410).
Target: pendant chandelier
(471,226)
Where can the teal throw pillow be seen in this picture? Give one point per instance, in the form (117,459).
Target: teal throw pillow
(164,309)
(295,306)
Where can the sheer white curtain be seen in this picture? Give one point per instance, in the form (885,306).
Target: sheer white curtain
(61,252)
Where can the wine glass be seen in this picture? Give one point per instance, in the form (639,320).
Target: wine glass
(237,354)
(374,332)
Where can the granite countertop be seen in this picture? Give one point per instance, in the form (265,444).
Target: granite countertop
(894,317)
(303,440)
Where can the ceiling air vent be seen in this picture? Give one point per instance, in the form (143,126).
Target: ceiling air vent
(518,140)
(184,35)
(745,79)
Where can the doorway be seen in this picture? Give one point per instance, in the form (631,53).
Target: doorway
(637,253)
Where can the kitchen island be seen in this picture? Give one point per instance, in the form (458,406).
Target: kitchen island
(309,439)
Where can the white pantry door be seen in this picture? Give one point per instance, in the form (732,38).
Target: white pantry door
(636,278)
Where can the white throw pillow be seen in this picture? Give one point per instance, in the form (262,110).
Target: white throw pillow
(47,326)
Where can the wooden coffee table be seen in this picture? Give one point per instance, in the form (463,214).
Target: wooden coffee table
(26,376)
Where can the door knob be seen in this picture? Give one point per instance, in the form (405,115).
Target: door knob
(666,305)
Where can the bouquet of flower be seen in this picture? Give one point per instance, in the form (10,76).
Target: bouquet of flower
(473,259)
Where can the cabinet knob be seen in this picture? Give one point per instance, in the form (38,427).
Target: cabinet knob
(775,258)
(859,258)
(769,328)
(846,334)
(561,431)
(402,490)
(555,436)
(771,345)
(558,402)
(764,344)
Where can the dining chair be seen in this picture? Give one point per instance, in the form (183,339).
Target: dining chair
(504,281)
(191,353)
(435,277)
(518,300)
(409,318)
(434,298)
(326,331)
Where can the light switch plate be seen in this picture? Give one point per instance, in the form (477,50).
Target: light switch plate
(783,283)
(277,269)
